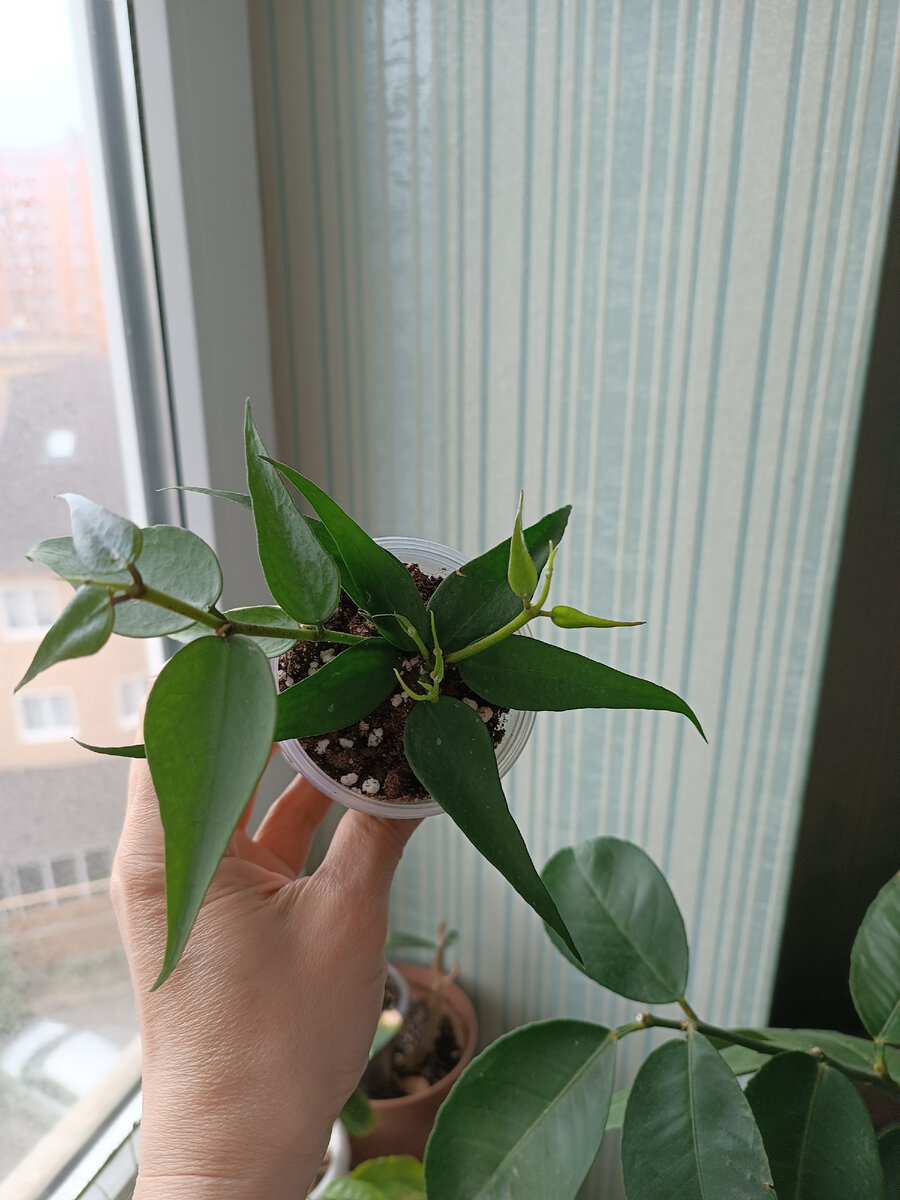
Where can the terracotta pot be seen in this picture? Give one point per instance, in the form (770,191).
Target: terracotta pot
(404,1124)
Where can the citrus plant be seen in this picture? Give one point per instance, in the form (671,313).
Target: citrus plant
(214,710)
(526,1118)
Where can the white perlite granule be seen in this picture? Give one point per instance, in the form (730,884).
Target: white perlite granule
(327,655)
(349,780)
(485,713)
(374,738)
(313,667)
(470,702)
(371,786)
(347,743)
(322,746)
(397,700)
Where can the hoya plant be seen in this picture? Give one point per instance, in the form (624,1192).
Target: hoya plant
(527,1117)
(214,710)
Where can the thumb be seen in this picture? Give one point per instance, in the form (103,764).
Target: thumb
(364,854)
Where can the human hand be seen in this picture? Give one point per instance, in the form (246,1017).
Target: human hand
(262,1031)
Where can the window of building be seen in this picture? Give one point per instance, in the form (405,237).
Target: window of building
(129,696)
(28,612)
(60,443)
(47,716)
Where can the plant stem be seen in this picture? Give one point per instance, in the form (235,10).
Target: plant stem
(529,612)
(650,1021)
(151,596)
(687,1010)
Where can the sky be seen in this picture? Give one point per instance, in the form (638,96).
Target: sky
(39,95)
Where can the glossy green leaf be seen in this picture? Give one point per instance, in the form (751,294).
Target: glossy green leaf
(208,727)
(381,584)
(83,627)
(818,1136)
(451,754)
(399,1176)
(889,1152)
(617,1106)
(352,1189)
(875,965)
(853,1053)
(523,673)
(621,912)
(572,618)
(348,688)
(358,1116)
(179,563)
(689,1133)
(235,497)
(136,751)
(103,540)
(257,614)
(301,576)
(521,573)
(59,555)
(526,1118)
(476,599)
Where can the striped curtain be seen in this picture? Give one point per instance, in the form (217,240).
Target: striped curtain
(623,255)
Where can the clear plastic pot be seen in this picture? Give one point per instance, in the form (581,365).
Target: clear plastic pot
(433,559)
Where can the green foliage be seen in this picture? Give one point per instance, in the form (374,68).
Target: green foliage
(450,751)
(623,917)
(689,1130)
(357,1115)
(889,1153)
(164,580)
(83,627)
(818,1136)
(572,618)
(532,1093)
(201,798)
(395,1177)
(875,965)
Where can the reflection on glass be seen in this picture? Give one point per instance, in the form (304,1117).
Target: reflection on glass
(65,1002)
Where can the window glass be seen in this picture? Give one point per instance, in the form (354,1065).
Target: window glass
(66,1010)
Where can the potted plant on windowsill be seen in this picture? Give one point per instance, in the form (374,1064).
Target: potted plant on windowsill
(526,1119)
(214,710)
(411,1075)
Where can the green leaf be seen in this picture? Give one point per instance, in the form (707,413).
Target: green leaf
(521,573)
(451,754)
(617,1106)
(358,1116)
(476,599)
(526,1118)
(179,563)
(59,555)
(258,614)
(103,540)
(348,688)
(875,965)
(619,909)
(380,583)
(853,1053)
(301,576)
(689,1133)
(138,751)
(818,1136)
(399,1176)
(572,618)
(235,497)
(522,673)
(889,1151)
(353,1189)
(208,728)
(83,627)
(388,1027)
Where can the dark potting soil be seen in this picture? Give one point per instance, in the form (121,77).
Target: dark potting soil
(368,756)
(385,1075)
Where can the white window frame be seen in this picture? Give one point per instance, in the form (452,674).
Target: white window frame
(128,718)
(37,629)
(207,238)
(56,733)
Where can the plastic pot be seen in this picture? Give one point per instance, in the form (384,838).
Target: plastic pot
(338,1160)
(434,559)
(403,1125)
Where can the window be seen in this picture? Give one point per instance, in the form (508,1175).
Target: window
(28,612)
(129,695)
(60,443)
(47,716)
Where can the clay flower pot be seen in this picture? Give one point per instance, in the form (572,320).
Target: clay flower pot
(405,1123)
(435,559)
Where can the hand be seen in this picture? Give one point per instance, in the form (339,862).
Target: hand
(256,1040)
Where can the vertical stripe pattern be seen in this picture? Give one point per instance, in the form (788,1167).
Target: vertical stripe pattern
(623,255)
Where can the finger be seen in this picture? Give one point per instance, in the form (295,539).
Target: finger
(288,827)
(364,853)
(143,830)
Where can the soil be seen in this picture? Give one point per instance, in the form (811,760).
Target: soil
(384,1077)
(368,756)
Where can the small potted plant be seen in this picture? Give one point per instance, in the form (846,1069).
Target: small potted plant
(411,1074)
(215,709)
(394,1177)
(526,1119)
